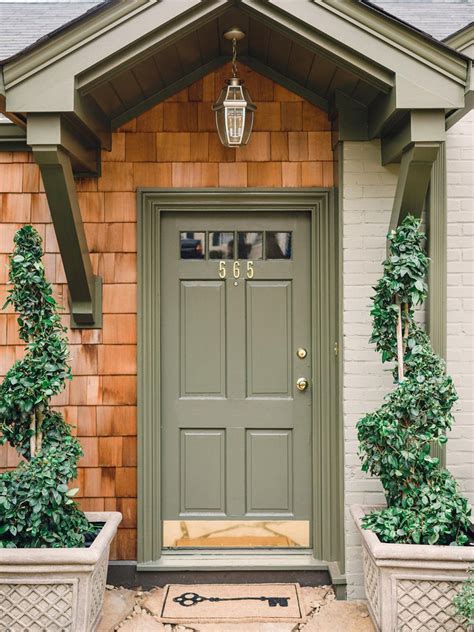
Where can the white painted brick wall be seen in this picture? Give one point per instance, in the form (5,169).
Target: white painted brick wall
(368,192)
(460,323)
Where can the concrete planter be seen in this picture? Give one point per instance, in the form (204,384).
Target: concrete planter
(57,590)
(409,586)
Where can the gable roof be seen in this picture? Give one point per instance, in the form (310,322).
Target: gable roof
(27,22)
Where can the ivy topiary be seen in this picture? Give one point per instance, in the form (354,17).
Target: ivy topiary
(36,505)
(424,505)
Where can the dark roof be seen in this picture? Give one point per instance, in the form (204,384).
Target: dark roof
(24,22)
(438,18)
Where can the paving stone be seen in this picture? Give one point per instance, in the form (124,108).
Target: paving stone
(316,597)
(118,604)
(341,616)
(153,601)
(142,623)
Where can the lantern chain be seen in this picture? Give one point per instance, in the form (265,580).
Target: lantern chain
(234,57)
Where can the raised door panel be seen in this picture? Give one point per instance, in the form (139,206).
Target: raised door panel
(202,338)
(202,459)
(269,333)
(269,474)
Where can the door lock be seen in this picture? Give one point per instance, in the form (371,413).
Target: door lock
(302,383)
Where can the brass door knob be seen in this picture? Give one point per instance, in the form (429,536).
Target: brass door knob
(302,383)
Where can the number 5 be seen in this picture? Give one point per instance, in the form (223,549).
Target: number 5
(222,270)
(250,270)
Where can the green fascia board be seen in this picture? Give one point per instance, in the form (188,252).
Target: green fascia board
(462,39)
(437,68)
(328,528)
(329,27)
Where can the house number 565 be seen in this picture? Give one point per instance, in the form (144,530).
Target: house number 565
(236,269)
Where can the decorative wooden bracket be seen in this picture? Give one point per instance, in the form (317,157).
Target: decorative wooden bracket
(413,180)
(415,144)
(85,289)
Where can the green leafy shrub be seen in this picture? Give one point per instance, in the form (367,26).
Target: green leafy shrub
(36,505)
(464,600)
(423,502)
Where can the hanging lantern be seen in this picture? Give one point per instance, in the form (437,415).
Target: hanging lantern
(234,108)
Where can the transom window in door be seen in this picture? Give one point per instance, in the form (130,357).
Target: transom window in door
(234,245)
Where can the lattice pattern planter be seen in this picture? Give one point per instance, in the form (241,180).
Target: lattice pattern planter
(409,586)
(59,590)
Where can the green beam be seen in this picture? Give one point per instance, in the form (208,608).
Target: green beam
(54,129)
(419,126)
(85,289)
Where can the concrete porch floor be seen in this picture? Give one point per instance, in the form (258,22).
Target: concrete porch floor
(135,611)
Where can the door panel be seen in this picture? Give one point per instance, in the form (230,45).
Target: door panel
(202,460)
(269,338)
(236,433)
(202,335)
(269,471)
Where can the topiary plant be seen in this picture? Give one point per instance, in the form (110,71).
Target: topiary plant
(36,505)
(423,502)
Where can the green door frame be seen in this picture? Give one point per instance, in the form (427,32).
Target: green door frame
(327,430)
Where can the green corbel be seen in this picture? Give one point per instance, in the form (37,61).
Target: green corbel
(415,144)
(85,289)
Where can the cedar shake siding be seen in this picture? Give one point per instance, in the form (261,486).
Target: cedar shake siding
(175,144)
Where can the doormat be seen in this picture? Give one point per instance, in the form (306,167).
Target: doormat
(232,603)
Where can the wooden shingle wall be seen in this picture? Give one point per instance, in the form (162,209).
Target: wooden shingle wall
(174,144)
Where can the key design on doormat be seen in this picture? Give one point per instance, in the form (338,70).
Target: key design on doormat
(192,599)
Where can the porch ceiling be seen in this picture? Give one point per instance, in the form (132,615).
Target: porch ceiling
(269,50)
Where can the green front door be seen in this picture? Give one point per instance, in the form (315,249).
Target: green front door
(235,340)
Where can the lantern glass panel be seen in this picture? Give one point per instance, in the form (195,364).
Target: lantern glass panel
(235,118)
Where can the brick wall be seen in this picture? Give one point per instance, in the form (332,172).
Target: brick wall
(172,145)
(368,191)
(460,291)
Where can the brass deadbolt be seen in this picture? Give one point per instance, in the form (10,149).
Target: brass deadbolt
(301,353)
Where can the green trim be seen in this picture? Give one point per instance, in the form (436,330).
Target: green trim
(327,420)
(84,288)
(12,138)
(169,91)
(462,39)
(403,37)
(437,222)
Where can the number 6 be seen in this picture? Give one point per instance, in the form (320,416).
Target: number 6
(236,269)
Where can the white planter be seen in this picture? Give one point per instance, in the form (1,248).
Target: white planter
(411,586)
(58,590)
